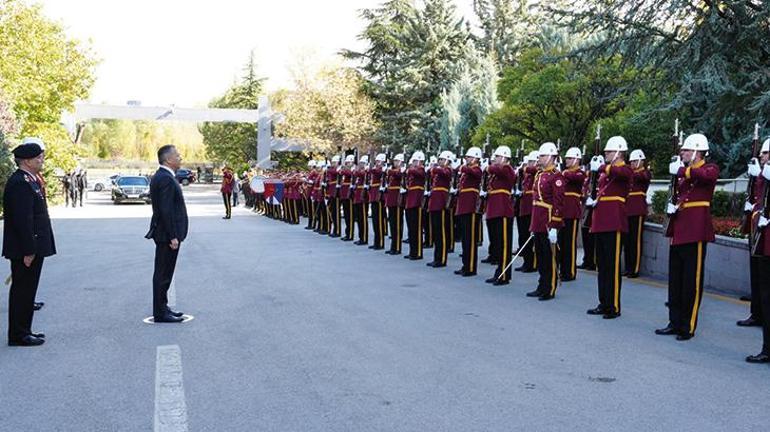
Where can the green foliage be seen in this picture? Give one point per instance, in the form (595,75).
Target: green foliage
(140,140)
(659,201)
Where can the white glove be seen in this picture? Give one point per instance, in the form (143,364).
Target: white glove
(323,184)
(403,170)
(402,190)
(763,221)
(552,235)
(590,202)
(754,168)
(766,171)
(366,187)
(517,193)
(456,164)
(382,189)
(339,186)
(427,193)
(596,162)
(747,207)
(453,191)
(676,163)
(484,164)
(671,209)
(483,193)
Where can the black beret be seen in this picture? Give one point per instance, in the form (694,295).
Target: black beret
(27,151)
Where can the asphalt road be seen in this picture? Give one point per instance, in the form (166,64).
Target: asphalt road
(298,332)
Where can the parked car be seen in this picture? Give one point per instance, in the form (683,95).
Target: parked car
(131,189)
(185,176)
(99,184)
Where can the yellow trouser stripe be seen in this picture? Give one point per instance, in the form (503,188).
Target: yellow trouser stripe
(504,262)
(552,250)
(696,303)
(617,272)
(574,248)
(471,255)
(639,245)
(419,232)
(443,237)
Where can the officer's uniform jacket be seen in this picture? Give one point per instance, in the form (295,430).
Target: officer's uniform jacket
(636,205)
(26,226)
(547,201)
(441,177)
(574,179)
(609,214)
(415,186)
(468,190)
(394,186)
(692,221)
(502,178)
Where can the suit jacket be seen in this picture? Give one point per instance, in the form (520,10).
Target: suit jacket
(169,213)
(27,228)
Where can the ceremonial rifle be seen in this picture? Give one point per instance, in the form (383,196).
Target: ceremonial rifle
(481,201)
(455,176)
(673,195)
(593,179)
(402,196)
(746,221)
(518,188)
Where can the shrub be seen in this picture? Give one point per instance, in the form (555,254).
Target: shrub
(659,200)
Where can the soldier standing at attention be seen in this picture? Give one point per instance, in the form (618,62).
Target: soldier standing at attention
(609,223)
(636,208)
(690,230)
(467,197)
(524,219)
(499,212)
(360,209)
(441,176)
(395,211)
(547,219)
(376,191)
(346,201)
(333,197)
(415,188)
(574,177)
(227,191)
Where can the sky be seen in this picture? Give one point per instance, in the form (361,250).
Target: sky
(164,52)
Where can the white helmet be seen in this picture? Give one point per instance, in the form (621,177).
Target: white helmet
(503,151)
(311,164)
(697,142)
(380,157)
(336,158)
(364,159)
(433,159)
(446,154)
(765,146)
(418,156)
(474,152)
(548,149)
(533,155)
(399,157)
(636,155)
(574,152)
(350,158)
(616,143)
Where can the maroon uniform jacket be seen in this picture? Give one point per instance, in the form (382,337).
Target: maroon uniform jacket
(468,193)
(331,182)
(759,194)
(574,179)
(636,205)
(359,180)
(375,181)
(227,183)
(547,201)
(439,192)
(525,204)
(315,194)
(394,186)
(502,178)
(415,187)
(609,214)
(345,182)
(692,221)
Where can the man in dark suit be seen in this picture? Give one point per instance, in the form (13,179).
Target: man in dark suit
(27,239)
(168,228)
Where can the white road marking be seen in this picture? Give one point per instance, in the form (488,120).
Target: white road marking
(170,405)
(172,293)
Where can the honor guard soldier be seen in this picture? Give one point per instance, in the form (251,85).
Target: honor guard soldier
(524,218)
(574,178)
(415,188)
(310,181)
(467,197)
(636,208)
(441,177)
(451,227)
(319,194)
(761,252)
(227,191)
(376,201)
(333,197)
(346,201)
(609,223)
(427,226)
(690,230)
(547,219)
(392,202)
(499,213)
(360,209)
(27,239)
(589,251)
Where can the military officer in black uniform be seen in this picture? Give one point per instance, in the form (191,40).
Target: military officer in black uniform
(27,239)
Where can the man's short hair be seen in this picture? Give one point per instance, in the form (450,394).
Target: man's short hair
(164,152)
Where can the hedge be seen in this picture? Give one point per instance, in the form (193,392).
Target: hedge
(723,204)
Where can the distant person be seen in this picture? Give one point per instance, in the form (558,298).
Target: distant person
(27,239)
(66,185)
(168,228)
(73,190)
(81,186)
(227,191)
(236,189)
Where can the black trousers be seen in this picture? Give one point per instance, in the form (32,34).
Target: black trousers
(347,214)
(165,263)
(633,246)
(685,285)
(501,234)
(546,264)
(395,220)
(378,223)
(469,228)
(528,254)
(81,192)
(495,241)
(414,227)
(21,297)
(428,229)
(609,246)
(334,216)
(323,218)
(763,267)
(440,241)
(479,229)
(310,207)
(450,229)
(589,247)
(568,249)
(361,218)
(756,286)
(228,206)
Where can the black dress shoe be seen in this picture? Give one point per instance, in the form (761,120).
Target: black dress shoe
(749,322)
(346,239)
(176,314)
(598,310)
(500,282)
(168,318)
(459,272)
(535,293)
(611,315)
(759,358)
(360,243)
(372,247)
(38,305)
(666,331)
(333,235)
(38,335)
(415,258)
(490,280)
(632,275)
(308,228)
(378,248)
(407,256)
(529,270)
(519,268)
(27,340)
(566,279)
(488,260)
(546,297)
(684,336)
(469,274)
(745,298)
